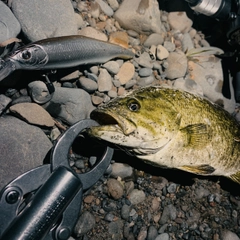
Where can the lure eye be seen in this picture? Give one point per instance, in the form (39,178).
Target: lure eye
(133,106)
(26,55)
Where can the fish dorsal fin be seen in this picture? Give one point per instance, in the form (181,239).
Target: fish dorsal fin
(235,177)
(198,169)
(196,135)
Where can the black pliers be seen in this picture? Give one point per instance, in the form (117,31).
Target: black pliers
(54,192)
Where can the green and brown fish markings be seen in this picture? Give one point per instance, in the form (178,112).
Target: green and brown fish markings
(174,129)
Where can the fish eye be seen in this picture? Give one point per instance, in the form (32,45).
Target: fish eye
(26,55)
(133,105)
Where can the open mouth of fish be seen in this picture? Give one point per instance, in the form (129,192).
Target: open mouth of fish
(113,122)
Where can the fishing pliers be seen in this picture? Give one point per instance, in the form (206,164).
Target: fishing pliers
(45,202)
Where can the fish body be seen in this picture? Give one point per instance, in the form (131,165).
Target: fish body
(173,129)
(62,52)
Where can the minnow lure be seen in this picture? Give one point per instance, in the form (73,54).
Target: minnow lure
(61,52)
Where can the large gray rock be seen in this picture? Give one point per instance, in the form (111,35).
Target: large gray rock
(70,104)
(9,25)
(45,19)
(22,147)
(139,15)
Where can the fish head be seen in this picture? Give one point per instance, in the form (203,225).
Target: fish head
(143,121)
(32,56)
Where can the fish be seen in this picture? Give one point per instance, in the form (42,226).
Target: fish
(61,52)
(172,128)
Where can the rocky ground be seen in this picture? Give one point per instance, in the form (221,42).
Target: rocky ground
(134,200)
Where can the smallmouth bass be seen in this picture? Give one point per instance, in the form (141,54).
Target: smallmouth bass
(173,129)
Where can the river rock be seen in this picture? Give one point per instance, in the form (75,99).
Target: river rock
(9,25)
(104,81)
(126,73)
(93,33)
(154,39)
(180,21)
(4,101)
(22,148)
(139,15)
(69,104)
(33,114)
(206,70)
(105,7)
(45,19)
(162,52)
(177,65)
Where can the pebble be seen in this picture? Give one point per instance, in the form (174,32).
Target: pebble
(119,38)
(154,39)
(93,33)
(180,21)
(145,72)
(9,25)
(33,114)
(152,233)
(136,196)
(125,211)
(112,67)
(177,65)
(36,27)
(169,46)
(4,102)
(163,236)
(124,171)
(22,146)
(169,213)
(187,43)
(104,81)
(113,4)
(85,223)
(87,84)
(148,17)
(228,235)
(115,188)
(144,60)
(105,8)
(162,52)
(69,104)
(126,73)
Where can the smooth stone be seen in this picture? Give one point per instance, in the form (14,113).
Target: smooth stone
(162,52)
(33,114)
(104,81)
(112,67)
(115,188)
(136,196)
(144,60)
(72,76)
(121,170)
(126,73)
(93,33)
(177,65)
(130,83)
(94,9)
(145,13)
(88,84)
(119,38)
(38,21)
(187,43)
(96,100)
(39,92)
(70,105)
(152,233)
(163,236)
(4,102)
(105,7)
(145,72)
(113,4)
(125,211)
(228,235)
(145,81)
(9,25)
(188,85)
(169,46)
(180,21)
(154,39)
(169,213)
(206,70)
(22,146)
(84,224)
(112,94)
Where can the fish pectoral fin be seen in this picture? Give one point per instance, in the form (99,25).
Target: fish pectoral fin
(196,135)
(204,169)
(235,177)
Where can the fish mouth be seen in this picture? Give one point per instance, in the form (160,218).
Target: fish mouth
(112,122)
